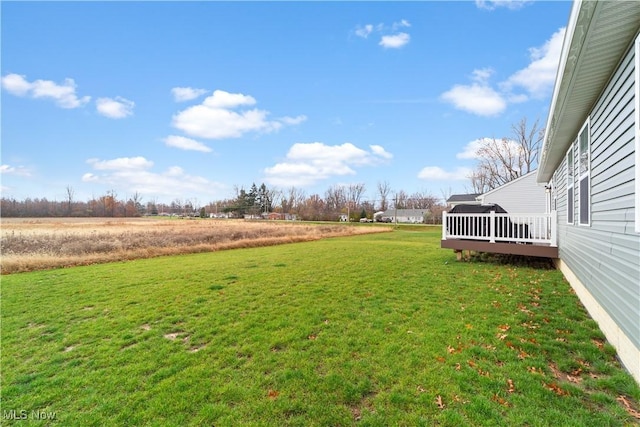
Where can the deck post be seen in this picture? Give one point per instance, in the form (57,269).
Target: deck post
(444,225)
(554,228)
(492,227)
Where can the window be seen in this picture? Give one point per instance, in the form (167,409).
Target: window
(585,166)
(637,129)
(570,198)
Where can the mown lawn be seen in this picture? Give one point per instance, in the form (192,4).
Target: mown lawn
(383,329)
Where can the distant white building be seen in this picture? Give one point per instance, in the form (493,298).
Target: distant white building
(406,216)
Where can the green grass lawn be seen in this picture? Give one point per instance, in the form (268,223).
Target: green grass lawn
(384,329)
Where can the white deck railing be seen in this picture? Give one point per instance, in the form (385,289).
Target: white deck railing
(501,227)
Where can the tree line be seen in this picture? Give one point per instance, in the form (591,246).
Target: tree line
(254,201)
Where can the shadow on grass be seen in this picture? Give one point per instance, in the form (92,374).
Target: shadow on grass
(513,260)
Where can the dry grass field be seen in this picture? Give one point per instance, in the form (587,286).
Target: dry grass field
(37,244)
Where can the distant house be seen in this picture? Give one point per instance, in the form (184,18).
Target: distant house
(278,216)
(463,199)
(407,216)
(523,195)
(591,159)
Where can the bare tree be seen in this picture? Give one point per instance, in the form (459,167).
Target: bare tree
(422,200)
(446,193)
(503,160)
(292,200)
(401,200)
(335,198)
(354,194)
(70,192)
(383,191)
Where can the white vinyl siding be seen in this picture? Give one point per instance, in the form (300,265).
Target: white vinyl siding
(570,195)
(523,195)
(584,152)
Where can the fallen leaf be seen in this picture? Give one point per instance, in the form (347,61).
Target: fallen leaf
(535,370)
(439,402)
(500,400)
(273,394)
(556,389)
(440,359)
(421,389)
(504,328)
(511,388)
(628,407)
(483,373)
(575,380)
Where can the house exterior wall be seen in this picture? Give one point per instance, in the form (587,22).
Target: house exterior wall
(521,196)
(602,258)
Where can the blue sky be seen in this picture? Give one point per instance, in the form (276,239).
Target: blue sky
(189,100)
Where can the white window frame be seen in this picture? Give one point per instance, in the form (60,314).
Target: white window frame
(584,175)
(571,196)
(637,131)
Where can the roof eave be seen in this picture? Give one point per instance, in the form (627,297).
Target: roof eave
(583,72)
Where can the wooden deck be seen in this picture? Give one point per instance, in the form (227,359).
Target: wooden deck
(535,250)
(501,233)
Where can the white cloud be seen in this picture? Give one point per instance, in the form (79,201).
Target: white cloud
(215,118)
(395,41)
(400,24)
(536,79)
(436,173)
(115,108)
(539,76)
(378,150)
(293,120)
(364,31)
(64,95)
(509,4)
(471,149)
(134,174)
(185,144)
(181,94)
(307,163)
(476,98)
(121,163)
(14,170)
(222,99)
(390,38)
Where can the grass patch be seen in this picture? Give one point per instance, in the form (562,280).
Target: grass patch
(380,329)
